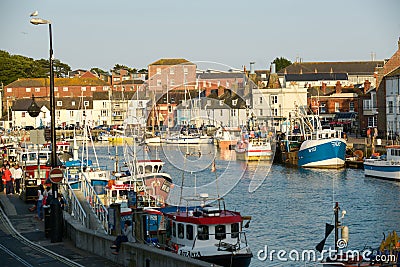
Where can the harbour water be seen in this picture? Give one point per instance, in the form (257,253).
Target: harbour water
(289,208)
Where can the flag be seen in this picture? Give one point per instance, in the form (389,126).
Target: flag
(328,230)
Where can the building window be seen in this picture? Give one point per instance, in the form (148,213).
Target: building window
(85,103)
(158,70)
(372,121)
(233,112)
(221,112)
(220,232)
(59,103)
(185,70)
(73,103)
(65,89)
(261,100)
(93,88)
(9,90)
(172,82)
(202,232)
(274,99)
(275,110)
(83,88)
(140,104)
(337,107)
(55,89)
(260,112)
(23,114)
(367,104)
(158,82)
(58,113)
(234,102)
(221,102)
(71,113)
(390,107)
(37,90)
(171,70)
(28,90)
(104,104)
(104,113)
(351,106)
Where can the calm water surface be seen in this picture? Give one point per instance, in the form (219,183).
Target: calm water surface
(291,206)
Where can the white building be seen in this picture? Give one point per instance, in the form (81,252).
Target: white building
(393,103)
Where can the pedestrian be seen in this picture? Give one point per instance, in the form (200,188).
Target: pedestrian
(8,178)
(18,178)
(126,236)
(3,181)
(39,205)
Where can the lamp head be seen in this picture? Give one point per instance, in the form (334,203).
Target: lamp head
(37,21)
(34,13)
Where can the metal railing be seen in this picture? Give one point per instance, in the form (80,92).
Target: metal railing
(74,207)
(95,203)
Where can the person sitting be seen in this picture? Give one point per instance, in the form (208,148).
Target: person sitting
(126,236)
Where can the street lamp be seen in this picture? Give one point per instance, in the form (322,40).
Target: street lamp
(55,207)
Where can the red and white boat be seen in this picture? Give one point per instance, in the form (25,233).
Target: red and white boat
(254,147)
(211,234)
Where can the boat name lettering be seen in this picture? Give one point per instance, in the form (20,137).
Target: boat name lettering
(335,143)
(312,149)
(192,254)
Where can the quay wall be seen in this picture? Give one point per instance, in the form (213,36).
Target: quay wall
(130,254)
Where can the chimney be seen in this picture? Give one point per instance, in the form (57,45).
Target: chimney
(338,87)
(367,86)
(273,68)
(398,43)
(252,67)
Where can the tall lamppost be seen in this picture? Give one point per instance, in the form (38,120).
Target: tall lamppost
(55,206)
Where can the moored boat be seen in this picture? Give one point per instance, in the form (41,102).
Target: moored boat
(209,233)
(385,166)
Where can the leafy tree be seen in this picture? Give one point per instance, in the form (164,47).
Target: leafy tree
(13,67)
(281,63)
(118,67)
(99,71)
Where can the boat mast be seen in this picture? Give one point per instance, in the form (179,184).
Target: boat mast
(337,225)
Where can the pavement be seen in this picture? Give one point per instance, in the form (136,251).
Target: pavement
(26,223)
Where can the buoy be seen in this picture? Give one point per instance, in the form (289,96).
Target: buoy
(345,234)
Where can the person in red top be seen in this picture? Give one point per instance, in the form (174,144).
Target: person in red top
(8,178)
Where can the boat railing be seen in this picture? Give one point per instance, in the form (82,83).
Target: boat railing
(74,206)
(239,237)
(95,202)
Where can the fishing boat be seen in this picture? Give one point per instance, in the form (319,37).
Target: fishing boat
(151,185)
(227,138)
(385,166)
(208,233)
(321,148)
(255,142)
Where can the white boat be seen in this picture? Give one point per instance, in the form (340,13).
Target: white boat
(386,166)
(255,142)
(103,137)
(209,233)
(189,139)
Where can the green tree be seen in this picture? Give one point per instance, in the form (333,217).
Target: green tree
(99,71)
(281,63)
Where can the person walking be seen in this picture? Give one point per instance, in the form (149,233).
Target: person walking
(39,205)
(18,178)
(8,178)
(3,181)
(127,236)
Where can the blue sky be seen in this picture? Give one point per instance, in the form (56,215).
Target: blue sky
(102,33)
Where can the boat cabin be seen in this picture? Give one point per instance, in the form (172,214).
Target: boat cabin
(393,153)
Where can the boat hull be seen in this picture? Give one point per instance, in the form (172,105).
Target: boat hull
(383,169)
(229,260)
(322,153)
